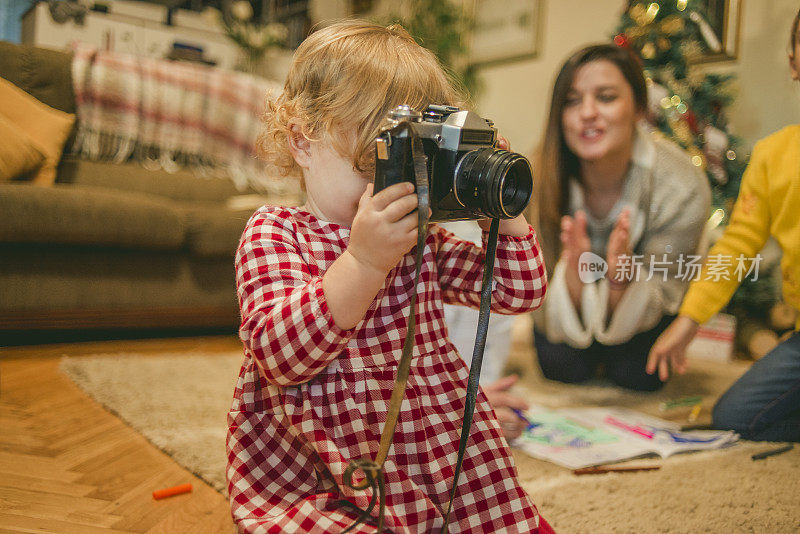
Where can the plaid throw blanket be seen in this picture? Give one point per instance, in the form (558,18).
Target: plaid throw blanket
(168,114)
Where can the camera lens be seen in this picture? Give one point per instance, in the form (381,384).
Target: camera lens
(498,183)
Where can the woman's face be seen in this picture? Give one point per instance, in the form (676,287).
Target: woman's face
(794,59)
(600,115)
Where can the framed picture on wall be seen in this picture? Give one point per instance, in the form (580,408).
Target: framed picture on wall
(722,31)
(505,30)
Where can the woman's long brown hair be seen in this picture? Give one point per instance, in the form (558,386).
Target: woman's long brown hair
(557,163)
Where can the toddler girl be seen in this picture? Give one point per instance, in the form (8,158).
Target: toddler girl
(324,292)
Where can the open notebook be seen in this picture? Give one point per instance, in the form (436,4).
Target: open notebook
(584,437)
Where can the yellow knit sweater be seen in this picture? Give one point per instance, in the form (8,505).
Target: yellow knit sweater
(768,205)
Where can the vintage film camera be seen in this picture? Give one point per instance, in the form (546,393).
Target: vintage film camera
(468,178)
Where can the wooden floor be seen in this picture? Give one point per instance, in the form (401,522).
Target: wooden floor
(68,466)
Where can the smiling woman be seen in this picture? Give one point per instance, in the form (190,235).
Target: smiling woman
(630,204)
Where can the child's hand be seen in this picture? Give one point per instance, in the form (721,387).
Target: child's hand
(504,403)
(385,226)
(669,350)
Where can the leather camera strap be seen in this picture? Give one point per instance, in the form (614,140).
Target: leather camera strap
(477,361)
(373,469)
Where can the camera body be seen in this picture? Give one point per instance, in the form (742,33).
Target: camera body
(468,179)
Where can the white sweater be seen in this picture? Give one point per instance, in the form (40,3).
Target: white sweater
(668,198)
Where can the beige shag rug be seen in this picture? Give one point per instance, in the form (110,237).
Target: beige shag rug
(179,402)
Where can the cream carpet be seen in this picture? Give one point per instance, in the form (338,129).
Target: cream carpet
(179,402)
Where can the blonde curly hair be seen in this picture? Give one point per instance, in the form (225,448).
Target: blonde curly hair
(343,80)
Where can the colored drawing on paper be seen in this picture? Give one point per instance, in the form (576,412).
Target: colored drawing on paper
(558,431)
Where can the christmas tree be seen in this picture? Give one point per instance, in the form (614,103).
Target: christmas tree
(688,106)
(669,36)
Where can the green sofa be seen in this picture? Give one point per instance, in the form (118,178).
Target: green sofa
(112,245)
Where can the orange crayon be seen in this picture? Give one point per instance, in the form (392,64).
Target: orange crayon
(169,492)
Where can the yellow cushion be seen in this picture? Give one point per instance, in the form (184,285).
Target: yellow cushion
(19,155)
(48,128)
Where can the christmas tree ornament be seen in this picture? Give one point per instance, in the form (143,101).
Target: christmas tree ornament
(652,12)
(731,155)
(622,40)
(711,39)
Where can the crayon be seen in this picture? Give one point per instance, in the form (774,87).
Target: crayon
(695,412)
(635,429)
(169,492)
(611,469)
(521,415)
(773,452)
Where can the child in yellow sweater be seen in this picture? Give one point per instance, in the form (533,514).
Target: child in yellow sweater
(764,404)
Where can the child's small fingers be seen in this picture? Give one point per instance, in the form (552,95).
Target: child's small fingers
(401,207)
(505,382)
(514,401)
(657,353)
(511,425)
(386,196)
(679,362)
(366,195)
(663,369)
(408,223)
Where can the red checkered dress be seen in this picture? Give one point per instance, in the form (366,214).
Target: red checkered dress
(311,396)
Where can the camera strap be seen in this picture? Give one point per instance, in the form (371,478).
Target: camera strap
(477,360)
(373,469)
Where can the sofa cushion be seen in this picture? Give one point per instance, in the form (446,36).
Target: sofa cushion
(88,216)
(46,126)
(45,74)
(213,230)
(131,176)
(19,155)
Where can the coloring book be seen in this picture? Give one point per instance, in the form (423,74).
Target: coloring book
(584,437)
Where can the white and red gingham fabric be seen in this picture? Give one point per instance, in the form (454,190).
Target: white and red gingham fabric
(311,396)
